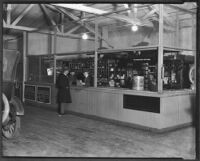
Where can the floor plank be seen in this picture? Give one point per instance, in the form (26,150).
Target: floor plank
(44,133)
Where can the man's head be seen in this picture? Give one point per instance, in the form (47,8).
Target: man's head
(65,70)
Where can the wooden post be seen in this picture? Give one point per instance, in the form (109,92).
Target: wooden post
(24,64)
(53,49)
(62,21)
(177,31)
(194,46)
(104,36)
(160,50)
(96,54)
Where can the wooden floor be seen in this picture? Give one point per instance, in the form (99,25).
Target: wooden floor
(44,133)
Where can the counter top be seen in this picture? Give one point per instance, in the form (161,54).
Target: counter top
(115,90)
(166,93)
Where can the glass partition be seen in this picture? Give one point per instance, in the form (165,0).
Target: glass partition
(179,42)
(179,25)
(81,68)
(40,69)
(135,70)
(33,68)
(47,66)
(178,70)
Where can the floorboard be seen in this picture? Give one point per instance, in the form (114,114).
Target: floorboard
(45,134)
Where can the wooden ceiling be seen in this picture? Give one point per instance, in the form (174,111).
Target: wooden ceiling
(72,19)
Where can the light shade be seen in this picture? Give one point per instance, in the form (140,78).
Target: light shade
(85,36)
(134,28)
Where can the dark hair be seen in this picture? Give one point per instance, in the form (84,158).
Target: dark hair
(65,68)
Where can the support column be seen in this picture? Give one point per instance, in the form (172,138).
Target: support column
(62,23)
(25,39)
(177,31)
(53,51)
(104,36)
(194,46)
(96,53)
(160,50)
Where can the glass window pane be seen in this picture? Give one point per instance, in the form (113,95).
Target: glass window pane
(178,70)
(135,70)
(81,68)
(47,64)
(33,68)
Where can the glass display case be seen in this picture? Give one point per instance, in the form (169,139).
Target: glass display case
(177,67)
(130,69)
(79,65)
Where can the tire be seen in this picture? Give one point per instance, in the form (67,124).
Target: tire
(12,128)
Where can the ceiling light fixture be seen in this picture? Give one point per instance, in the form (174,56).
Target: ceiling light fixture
(126,6)
(85,36)
(134,28)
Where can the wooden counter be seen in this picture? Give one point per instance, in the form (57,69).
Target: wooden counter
(168,110)
(144,109)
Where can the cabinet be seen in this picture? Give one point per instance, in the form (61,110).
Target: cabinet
(38,93)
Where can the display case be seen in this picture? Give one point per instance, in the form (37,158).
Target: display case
(176,71)
(132,69)
(78,65)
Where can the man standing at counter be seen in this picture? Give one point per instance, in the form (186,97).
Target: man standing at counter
(63,95)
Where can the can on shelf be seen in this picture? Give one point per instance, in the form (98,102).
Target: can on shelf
(138,83)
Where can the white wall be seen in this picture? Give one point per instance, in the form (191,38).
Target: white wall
(40,44)
(64,45)
(124,38)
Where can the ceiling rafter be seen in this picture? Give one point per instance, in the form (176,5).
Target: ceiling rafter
(165,15)
(180,8)
(19,27)
(9,8)
(24,12)
(49,19)
(86,25)
(29,29)
(93,11)
(149,14)
(73,29)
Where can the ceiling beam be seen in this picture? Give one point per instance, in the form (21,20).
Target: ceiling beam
(73,29)
(81,7)
(149,14)
(180,8)
(49,19)
(29,29)
(19,27)
(25,11)
(99,12)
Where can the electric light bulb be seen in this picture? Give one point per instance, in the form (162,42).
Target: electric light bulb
(84,36)
(126,5)
(134,28)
